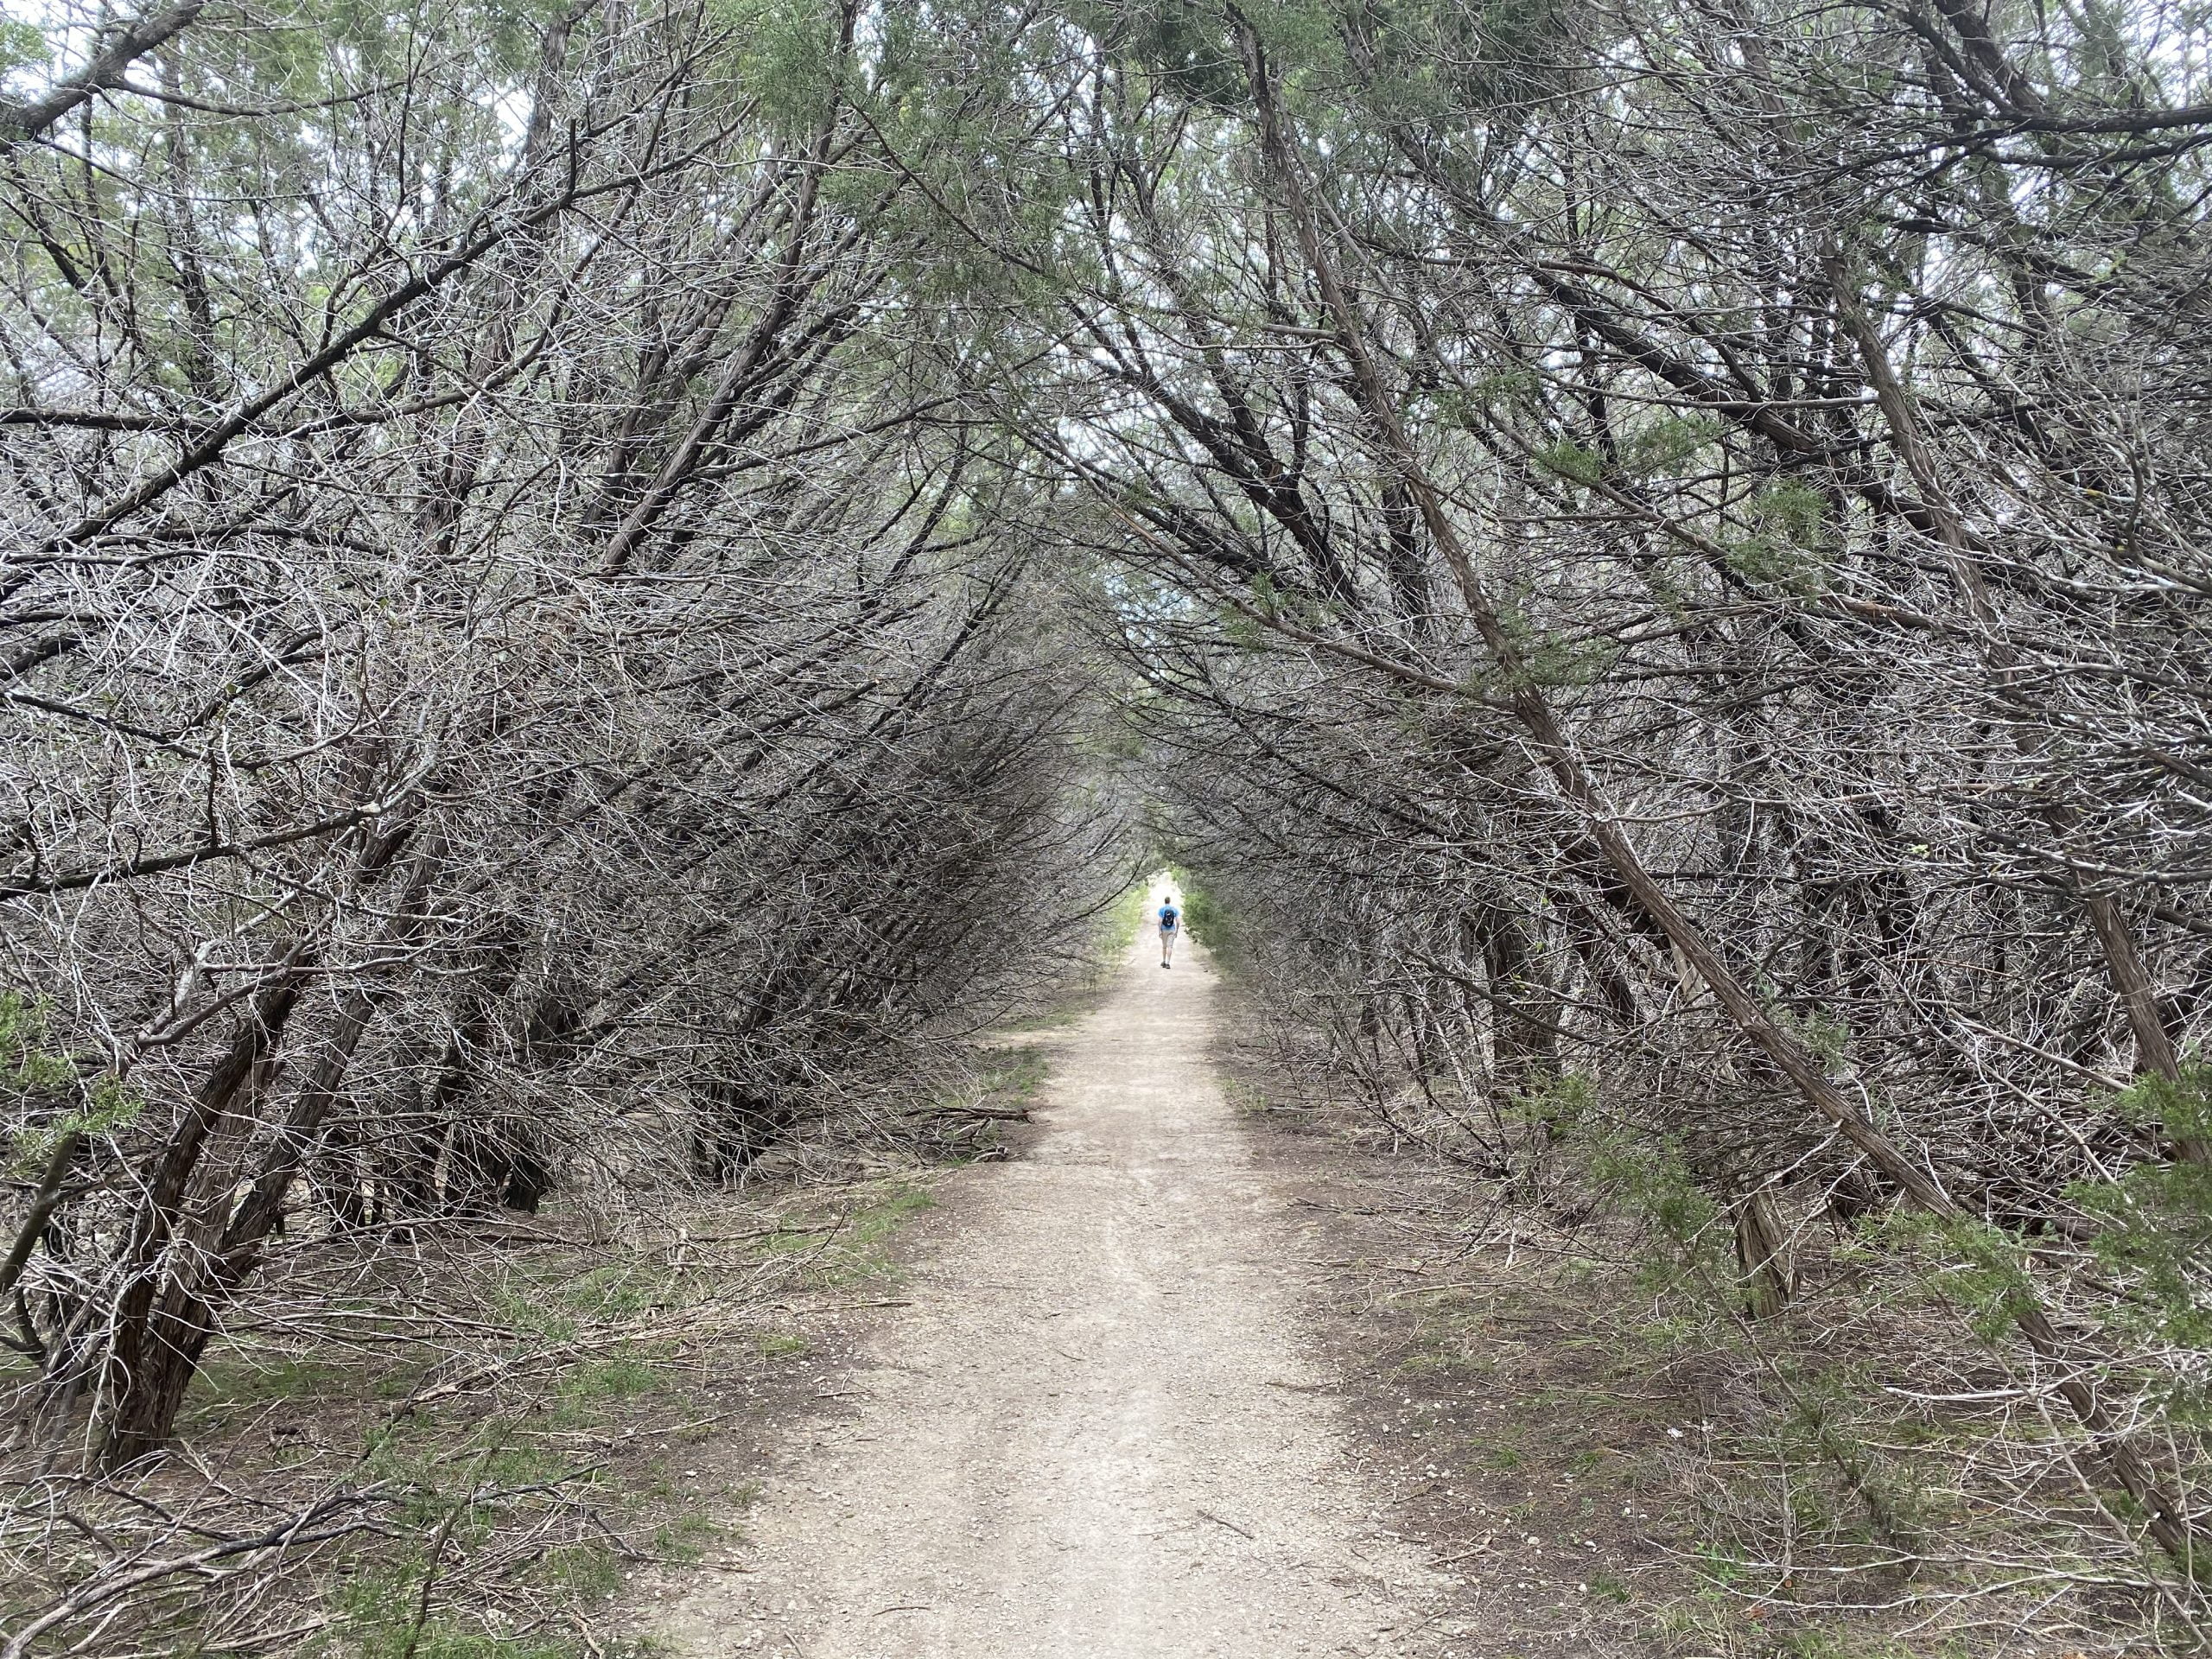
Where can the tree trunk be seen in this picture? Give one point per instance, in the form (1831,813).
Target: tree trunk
(150,1357)
(1763,1257)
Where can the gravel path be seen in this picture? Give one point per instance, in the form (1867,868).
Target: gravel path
(1098,1432)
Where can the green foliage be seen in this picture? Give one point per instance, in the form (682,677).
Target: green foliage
(1452,62)
(986,241)
(1661,445)
(624,1376)
(1650,1174)
(1556,662)
(1123,921)
(20,45)
(586,1570)
(1553,660)
(28,1068)
(1671,1336)
(2155,1222)
(1854,1483)
(1824,1034)
(1793,509)
(1202,912)
(1016,1074)
(786,56)
(1497,1455)
(1564,1103)
(685,1538)
(1787,546)
(557,1307)
(382,1608)
(1241,632)
(236,1377)
(1646,1170)
(1723,1570)
(617,1290)
(1978,1268)
(858,1249)
(503,37)
(1187,48)
(387,1603)
(1207,919)
(1497,391)
(1569,459)
(36,1077)
(883,1217)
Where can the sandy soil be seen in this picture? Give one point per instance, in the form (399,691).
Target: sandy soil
(1102,1428)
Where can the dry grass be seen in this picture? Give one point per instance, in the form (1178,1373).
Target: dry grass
(1617,1462)
(465,1441)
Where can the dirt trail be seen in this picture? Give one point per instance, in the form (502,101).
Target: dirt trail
(1098,1432)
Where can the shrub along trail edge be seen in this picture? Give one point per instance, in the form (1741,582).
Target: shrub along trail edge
(1100,1426)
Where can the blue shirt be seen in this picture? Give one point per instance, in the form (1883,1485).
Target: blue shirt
(1168,917)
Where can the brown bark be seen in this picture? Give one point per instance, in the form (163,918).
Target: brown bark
(1763,1253)
(22,120)
(146,1371)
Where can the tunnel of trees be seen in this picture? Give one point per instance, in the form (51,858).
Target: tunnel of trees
(583,579)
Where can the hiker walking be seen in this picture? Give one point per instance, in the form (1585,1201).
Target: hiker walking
(1171,924)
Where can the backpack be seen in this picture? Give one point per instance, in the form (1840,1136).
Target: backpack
(1169,916)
